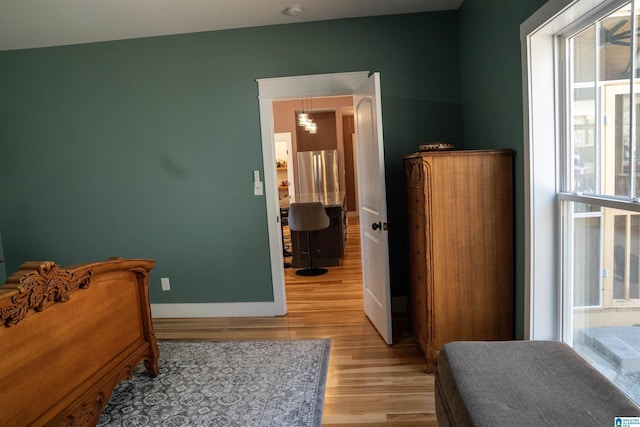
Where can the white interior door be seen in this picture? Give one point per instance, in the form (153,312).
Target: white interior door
(372,204)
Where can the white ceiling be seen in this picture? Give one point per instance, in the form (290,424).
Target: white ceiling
(40,23)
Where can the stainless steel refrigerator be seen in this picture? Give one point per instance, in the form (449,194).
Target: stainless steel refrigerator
(318,172)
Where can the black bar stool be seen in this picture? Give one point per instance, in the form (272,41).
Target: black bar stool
(308,217)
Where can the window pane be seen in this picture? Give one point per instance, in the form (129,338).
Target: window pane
(584,148)
(615,45)
(583,108)
(605,307)
(586,265)
(624,174)
(599,94)
(625,272)
(602,129)
(636,111)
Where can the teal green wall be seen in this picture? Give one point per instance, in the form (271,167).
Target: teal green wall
(145,148)
(491,90)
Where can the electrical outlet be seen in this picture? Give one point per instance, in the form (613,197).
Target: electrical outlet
(165,284)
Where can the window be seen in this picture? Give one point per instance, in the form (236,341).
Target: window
(587,216)
(599,195)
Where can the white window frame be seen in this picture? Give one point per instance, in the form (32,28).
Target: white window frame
(543,127)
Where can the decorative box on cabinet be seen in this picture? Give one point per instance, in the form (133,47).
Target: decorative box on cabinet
(460,218)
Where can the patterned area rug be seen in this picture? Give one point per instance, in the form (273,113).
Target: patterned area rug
(236,383)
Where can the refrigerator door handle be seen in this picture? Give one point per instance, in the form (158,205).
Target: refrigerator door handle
(318,171)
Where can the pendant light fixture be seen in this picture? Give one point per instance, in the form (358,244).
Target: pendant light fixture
(305,121)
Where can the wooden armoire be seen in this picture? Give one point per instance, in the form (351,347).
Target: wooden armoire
(460,247)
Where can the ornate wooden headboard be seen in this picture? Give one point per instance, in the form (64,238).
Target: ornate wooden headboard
(68,336)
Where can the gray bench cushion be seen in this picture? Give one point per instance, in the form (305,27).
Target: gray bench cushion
(523,383)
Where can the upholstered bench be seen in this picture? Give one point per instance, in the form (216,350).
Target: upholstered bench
(523,383)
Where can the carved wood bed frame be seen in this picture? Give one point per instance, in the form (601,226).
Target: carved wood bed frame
(69,336)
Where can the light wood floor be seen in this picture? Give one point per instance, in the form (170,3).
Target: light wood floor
(369,383)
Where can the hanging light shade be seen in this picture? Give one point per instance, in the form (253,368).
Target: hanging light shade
(312,128)
(305,121)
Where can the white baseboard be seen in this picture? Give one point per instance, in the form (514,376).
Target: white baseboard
(236,309)
(231,309)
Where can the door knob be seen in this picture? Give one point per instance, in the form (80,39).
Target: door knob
(380,226)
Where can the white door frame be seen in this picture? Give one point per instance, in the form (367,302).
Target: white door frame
(281,88)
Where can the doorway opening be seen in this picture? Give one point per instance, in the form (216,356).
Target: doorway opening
(295,144)
(371,191)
